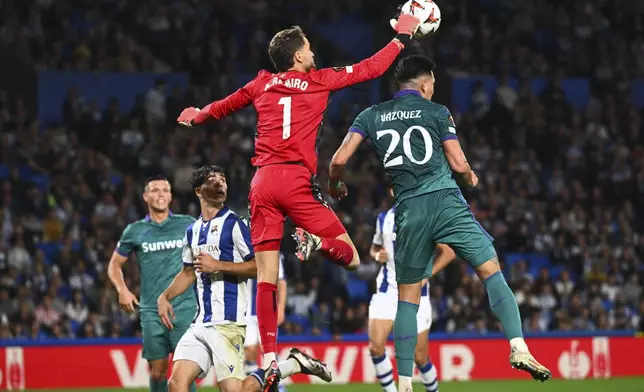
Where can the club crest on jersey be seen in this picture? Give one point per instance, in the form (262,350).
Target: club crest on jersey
(214,229)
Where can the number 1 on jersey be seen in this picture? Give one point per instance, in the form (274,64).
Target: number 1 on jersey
(286,117)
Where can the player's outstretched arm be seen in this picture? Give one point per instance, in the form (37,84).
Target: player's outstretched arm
(349,146)
(339,77)
(241,98)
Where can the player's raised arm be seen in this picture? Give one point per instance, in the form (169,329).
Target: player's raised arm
(241,98)
(338,77)
(453,151)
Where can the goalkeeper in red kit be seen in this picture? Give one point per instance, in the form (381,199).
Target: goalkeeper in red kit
(290,106)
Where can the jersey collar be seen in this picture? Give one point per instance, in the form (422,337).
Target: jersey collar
(219,214)
(148,219)
(407,91)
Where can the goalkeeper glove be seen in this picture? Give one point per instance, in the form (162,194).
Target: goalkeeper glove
(187,116)
(405,26)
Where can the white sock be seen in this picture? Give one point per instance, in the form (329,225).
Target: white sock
(519,344)
(429,376)
(384,372)
(289,367)
(404,384)
(268,358)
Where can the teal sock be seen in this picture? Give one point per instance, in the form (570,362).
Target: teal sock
(193,387)
(158,386)
(405,337)
(504,305)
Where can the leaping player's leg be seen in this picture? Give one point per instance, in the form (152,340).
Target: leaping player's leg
(428,373)
(382,311)
(267,229)
(474,245)
(413,258)
(318,226)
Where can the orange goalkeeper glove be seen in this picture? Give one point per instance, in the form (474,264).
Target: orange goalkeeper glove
(406,24)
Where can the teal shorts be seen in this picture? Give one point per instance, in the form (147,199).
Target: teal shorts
(158,341)
(438,217)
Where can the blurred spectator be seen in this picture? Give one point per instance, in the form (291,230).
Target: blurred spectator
(46,314)
(301,300)
(77,310)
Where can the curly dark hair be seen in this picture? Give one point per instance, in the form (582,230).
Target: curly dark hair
(200,176)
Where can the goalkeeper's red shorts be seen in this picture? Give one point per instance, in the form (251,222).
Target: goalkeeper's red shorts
(282,190)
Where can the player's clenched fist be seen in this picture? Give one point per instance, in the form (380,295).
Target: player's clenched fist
(187,116)
(338,191)
(475,179)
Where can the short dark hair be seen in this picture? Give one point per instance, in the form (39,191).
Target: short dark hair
(200,176)
(283,47)
(156,177)
(413,66)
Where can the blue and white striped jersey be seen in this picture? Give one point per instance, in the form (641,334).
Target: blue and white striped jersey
(221,298)
(252,290)
(385,236)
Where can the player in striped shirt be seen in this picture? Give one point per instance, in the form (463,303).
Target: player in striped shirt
(218,259)
(383,306)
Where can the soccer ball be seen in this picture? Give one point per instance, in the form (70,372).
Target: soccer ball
(427,12)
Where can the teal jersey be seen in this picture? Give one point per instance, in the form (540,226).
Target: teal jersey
(407,134)
(158,248)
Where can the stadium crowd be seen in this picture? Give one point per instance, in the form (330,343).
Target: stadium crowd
(561,183)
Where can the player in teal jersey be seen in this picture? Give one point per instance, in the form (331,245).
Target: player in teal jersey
(157,241)
(416,141)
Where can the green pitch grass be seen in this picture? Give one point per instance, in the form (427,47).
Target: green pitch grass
(613,385)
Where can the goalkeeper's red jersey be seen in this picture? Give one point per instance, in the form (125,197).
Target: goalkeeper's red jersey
(291,105)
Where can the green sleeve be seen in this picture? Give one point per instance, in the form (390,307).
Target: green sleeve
(361,123)
(445,124)
(126,244)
